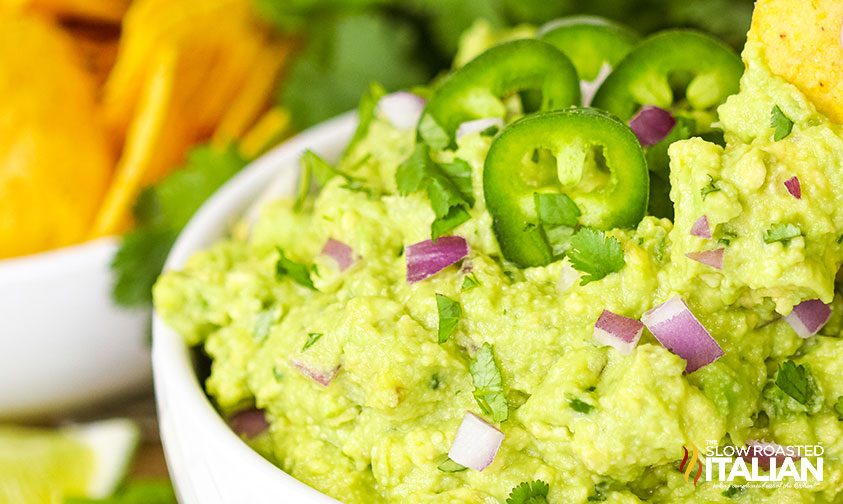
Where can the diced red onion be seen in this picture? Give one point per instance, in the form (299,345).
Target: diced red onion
(618,331)
(402,109)
(476,443)
(478,125)
(249,422)
(713,258)
(678,330)
(794,187)
(763,452)
(651,124)
(430,257)
(339,252)
(808,317)
(321,377)
(701,228)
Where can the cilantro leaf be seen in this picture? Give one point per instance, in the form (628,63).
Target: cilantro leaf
(366,112)
(488,384)
(595,255)
(469,282)
(300,273)
(160,213)
(732,491)
(432,133)
(311,339)
(781,123)
(710,188)
(795,381)
(449,316)
(151,491)
(449,466)
(534,492)
(580,406)
(838,408)
(263,323)
(321,170)
(556,209)
(782,233)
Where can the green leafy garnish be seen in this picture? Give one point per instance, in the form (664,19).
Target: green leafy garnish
(580,406)
(449,466)
(311,339)
(534,492)
(795,381)
(321,170)
(277,373)
(366,112)
(263,323)
(488,384)
(469,282)
(732,491)
(838,408)
(432,133)
(781,123)
(434,382)
(726,238)
(594,254)
(449,315)
(782,233)
(448,187)
(136,492)
(556,209)
(711,187)
(160,213)
(300,273)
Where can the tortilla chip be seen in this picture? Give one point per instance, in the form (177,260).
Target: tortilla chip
(802,43)
(95,10)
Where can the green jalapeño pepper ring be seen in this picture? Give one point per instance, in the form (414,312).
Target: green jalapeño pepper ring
(599,165)
(590,41)
(703,72)
(475,90)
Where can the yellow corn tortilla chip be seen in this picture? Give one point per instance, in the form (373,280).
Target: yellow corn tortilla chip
(802,43)
(98,10)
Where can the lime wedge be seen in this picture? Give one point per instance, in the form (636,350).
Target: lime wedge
(46,466)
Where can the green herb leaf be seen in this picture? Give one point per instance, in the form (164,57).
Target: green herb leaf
(413,174)
(595,255)
(366,112)
(449,316)
(432,133)
(311,339)
(161,212)
(782,233)
(781,123)
(488,384)
(795,381)
(534,492)
(726,238)
(264,322)
(580,406)
(710,188)
(449,466)
(277,374)
(732,491)
(556,209)
(838,408)
(300,273)
(469,282)
(151,491)
(321,170)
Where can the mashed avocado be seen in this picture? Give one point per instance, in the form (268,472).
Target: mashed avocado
(594,424)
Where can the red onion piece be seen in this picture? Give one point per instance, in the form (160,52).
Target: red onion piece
(321,377)
(339,252)
(476,443)
(678,330)
(713,258)
(701,228)
(808,317)
(651,125)
(249,422)
(794,187)
(478,125)
(402,109)
(618,331)
(430,257)
(764,452)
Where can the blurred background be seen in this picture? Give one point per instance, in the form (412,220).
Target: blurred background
(118,118)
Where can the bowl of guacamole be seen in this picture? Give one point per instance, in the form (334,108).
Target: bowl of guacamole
(537,280)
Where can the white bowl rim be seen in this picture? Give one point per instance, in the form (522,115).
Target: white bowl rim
(171,356)
(49,262)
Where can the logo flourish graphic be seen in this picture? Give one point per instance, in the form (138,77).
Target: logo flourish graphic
(687,466)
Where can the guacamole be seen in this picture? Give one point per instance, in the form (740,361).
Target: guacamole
(364,398)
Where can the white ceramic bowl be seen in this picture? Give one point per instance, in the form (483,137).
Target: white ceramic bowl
(63,343)
(208,463)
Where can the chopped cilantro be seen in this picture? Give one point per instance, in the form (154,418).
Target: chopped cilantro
(311,339)
(726,238)
(469,282)
(448,187)
(320,170)
(838,408)
(580,406)
(732,491)
(599,492)
(533,492)
(432,133)
(712,186)
(782,233)
(141,491)
(366,112)
(434,382)
(297,271)
(488,384)
(556,209)
(263,323)
(781,123)
(795,381)
(594,254)
(449,466)
(449,315)
(277,373)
